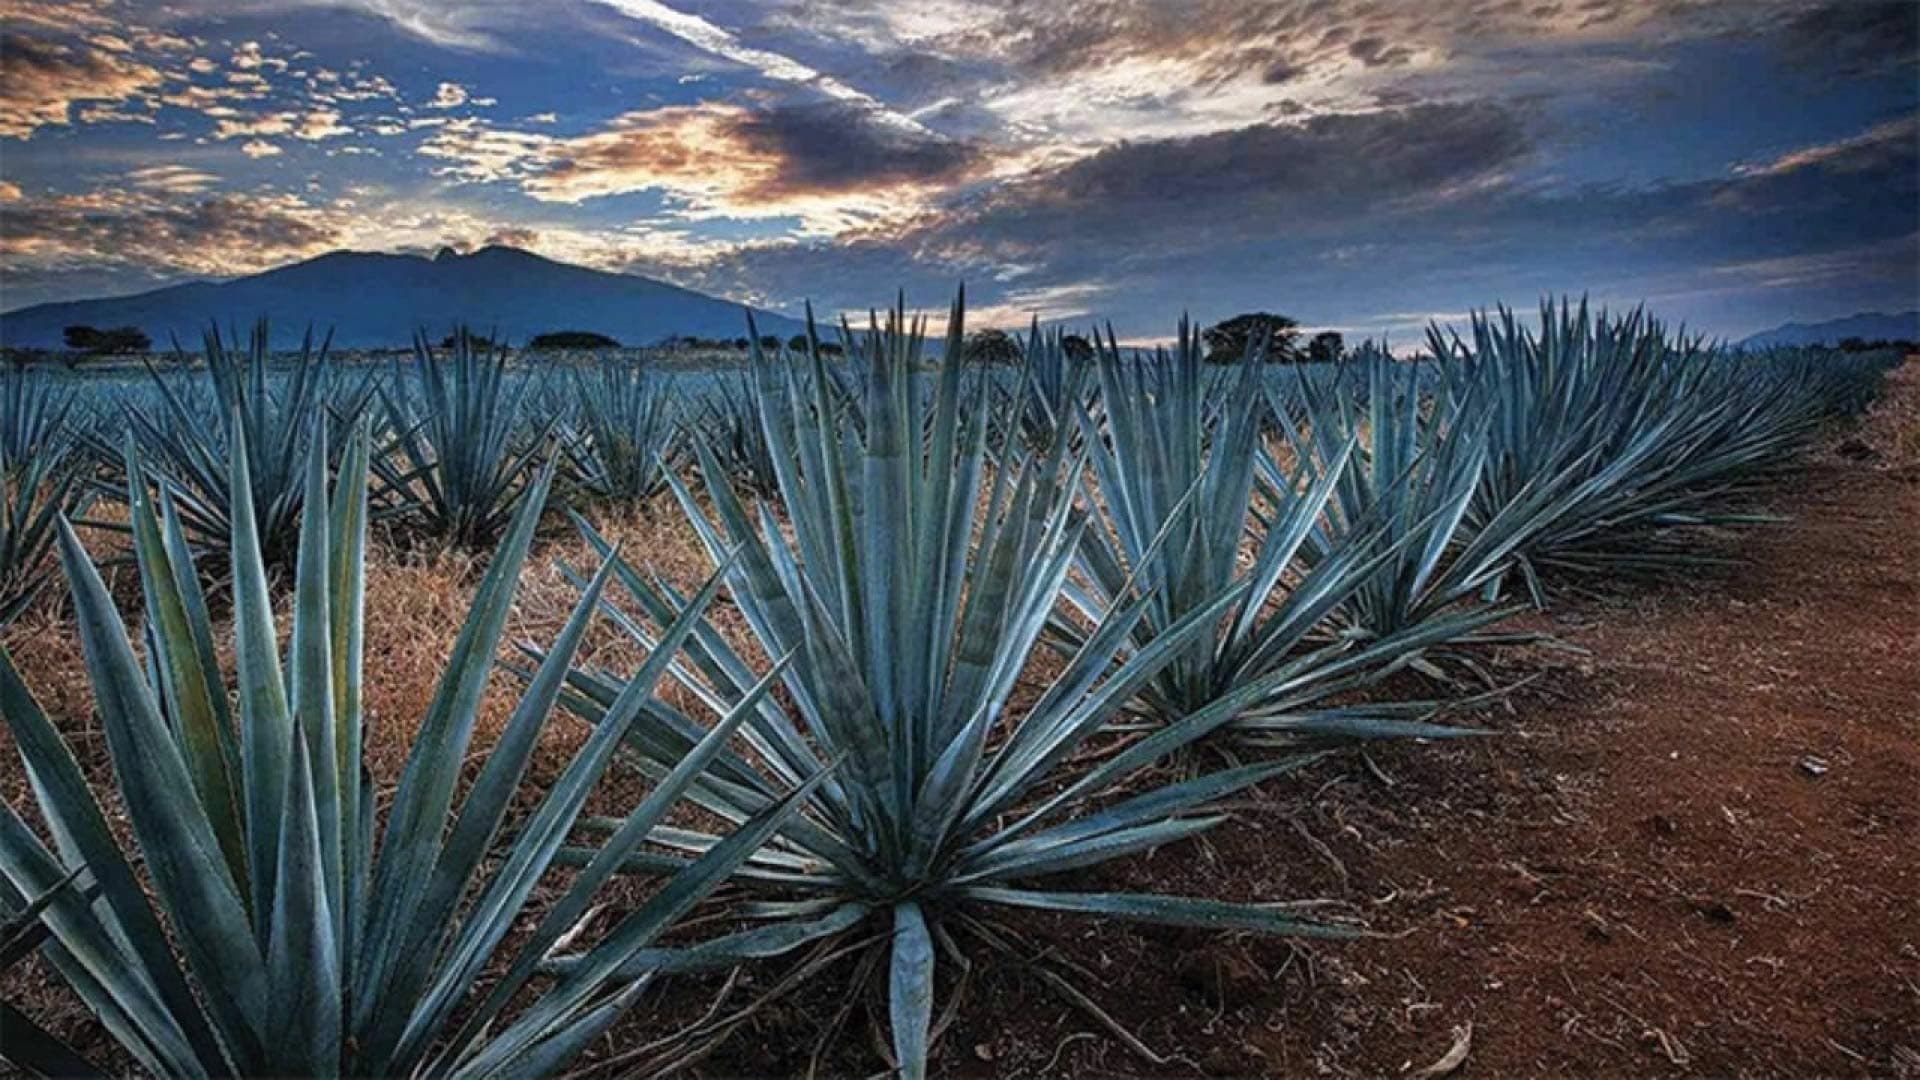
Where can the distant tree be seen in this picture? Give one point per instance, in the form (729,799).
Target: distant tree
(1327,347)
(474,341)
(571,339)
(1228,341)
(18,358)
(120,339)
(991,347)
(831,348)
(1860,344)
(798,343)
(741,343)
(770,342)
(1076,347)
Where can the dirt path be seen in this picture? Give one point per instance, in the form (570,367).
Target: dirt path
(1706,852)
(1693,851)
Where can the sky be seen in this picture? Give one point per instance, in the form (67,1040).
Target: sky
(1361,165)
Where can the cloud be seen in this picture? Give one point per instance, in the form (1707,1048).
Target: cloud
(1387,212)
(60,16)
(276,123)
(448,96)
(1878,147)
(41,81)
(221,235)
(769,64)
(259,148)
(1853,37)
(310,126)
(1300,178)
(320,124)
(833,164)
(172,179)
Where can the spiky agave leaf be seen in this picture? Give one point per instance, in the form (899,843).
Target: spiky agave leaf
(307,950)
(35,416)
(1179,463)
(187,438)
(728,423)
(907,614)
(42,476)
(1411,475)
(24,1044)
(628,434)
(461,458)
(1606,433)
(1048,389)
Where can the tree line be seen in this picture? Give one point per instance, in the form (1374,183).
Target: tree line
(1226,341)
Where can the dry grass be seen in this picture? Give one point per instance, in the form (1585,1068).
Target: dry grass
(1891,430)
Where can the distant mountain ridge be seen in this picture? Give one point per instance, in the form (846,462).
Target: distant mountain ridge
(1867,325)
(374,299)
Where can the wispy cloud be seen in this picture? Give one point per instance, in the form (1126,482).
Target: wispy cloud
(172,179)
(718,41)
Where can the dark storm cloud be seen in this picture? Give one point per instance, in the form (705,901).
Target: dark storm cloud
(1377,52)
(1329,167)
(726,158)
(1247,197)
(845,146)
(1377,213)
(1854,36)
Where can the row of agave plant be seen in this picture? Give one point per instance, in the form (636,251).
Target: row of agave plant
(458,437)
(1210,556)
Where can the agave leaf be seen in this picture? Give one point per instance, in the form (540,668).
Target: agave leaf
(182,853)
(304,1003)
(910,989)
(30,1048)
(266,724)
(413,841)
(123,950)
(1166,911)
(734,949)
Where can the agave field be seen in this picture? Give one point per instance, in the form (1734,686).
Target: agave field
(962,636)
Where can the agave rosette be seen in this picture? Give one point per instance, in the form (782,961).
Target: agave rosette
(1178,463)
(1410,478)
(461,455)
(1607,434)
(185,442)
(303,948)
(917,584)
(41,478)
(628,431)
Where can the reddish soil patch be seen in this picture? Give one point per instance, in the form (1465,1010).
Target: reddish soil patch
(1689,850)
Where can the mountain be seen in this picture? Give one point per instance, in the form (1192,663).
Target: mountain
(371,299)
(1868,326)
